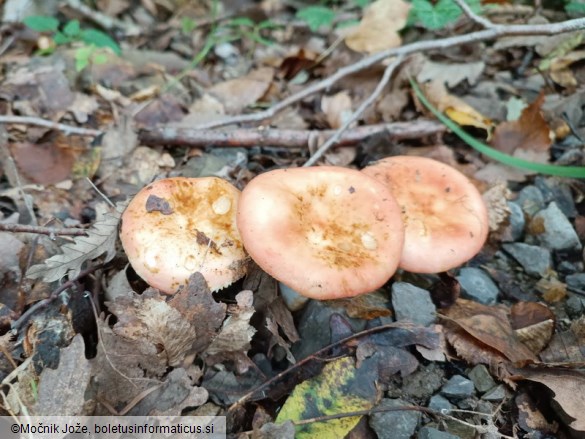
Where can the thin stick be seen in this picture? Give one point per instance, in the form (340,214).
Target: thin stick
(51,231)
(315,356)
(484,22)
(37,121)
(251,137)
(15,326)
(495,31)
(357,113)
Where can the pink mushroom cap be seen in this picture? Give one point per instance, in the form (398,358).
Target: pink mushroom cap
(326,232)
(445,217)
(175,227)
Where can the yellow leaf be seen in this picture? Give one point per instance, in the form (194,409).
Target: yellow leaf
(455,108)
(341,388)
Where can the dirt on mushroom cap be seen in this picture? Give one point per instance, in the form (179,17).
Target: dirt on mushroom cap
(326,232)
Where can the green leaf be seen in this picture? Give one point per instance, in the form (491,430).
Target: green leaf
(82,57)
(188,25)
(72,29)
(441,14)
(268,24)
(60,38)
(41,23)
(260,39)
(346,23)
(575,8)
(241,21)
(316,16)
(99,39)
(362,3)
(543,168)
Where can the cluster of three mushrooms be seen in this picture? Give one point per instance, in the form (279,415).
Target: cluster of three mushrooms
(326,232)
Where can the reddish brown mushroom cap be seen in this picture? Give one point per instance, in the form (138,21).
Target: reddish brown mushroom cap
(326,232)
(177,226)
(444,213)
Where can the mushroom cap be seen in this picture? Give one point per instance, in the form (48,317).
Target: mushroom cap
(326,232)
(175,227)
(445,217)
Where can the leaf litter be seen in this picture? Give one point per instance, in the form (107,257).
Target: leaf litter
(114,346)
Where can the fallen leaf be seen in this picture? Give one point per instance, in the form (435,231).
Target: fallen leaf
(530,133)
(70,380)
(337,108)
(101,239)
(450,74)
(340,388)
(236,333)
(567,347)
(488,326)
(46,163)
(566,386)
(237,94)
(378,28)
(454,107)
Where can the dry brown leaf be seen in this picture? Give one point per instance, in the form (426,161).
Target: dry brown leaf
(450,74)
(149,318)
(567,347)
(533,323)
(236,332)
(337,108)
(488,325)
(530,133)
(62,391)
(454,107)
(237,94)
(47,163)
(560,70)
(567,387)
(378,28)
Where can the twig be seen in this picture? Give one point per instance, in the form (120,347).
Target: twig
(315,356)
(51,231)
(16,325)
(249,137)
(67,129)
(495,31)
(357,113)
(484,22)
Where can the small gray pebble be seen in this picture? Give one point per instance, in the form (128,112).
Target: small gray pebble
(481,378)
(558,233)
(477,285)
(458,387)
(412,303)
(433,433)
(535,260)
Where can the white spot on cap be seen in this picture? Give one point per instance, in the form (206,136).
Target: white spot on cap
(369,241)
(222,205)
(151,260)
(190,263)
(337,190)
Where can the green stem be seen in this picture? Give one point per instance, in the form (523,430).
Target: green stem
(507,159)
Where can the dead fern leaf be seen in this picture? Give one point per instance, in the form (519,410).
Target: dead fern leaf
(101,239)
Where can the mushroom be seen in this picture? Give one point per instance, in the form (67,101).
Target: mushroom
(445,217)
(178,226)
(326,232)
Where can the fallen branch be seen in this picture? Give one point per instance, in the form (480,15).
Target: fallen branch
(493,32)
(248,137)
